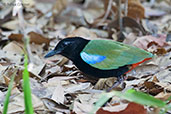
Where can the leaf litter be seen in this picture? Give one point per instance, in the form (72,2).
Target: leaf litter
(57,85)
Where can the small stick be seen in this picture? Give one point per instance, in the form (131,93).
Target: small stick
(126,7)
(107,12)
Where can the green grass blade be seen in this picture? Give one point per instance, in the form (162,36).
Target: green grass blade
(130,95)
(7,97)
(26,88)
(103,99)
(142,98)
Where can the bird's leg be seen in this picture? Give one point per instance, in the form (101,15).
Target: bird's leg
(120,79)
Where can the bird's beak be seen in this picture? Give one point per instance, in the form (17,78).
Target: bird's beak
(52,53)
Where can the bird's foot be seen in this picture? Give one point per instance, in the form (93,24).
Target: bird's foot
(117,83)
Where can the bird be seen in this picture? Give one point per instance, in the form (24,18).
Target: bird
(101,58)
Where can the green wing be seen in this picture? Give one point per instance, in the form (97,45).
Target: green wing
(117,54)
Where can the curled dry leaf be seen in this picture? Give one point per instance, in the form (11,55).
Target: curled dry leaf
(144,41)
(128,22)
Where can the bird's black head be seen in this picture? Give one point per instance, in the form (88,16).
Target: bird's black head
(68,47)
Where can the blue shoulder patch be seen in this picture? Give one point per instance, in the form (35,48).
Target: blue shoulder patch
(91,58)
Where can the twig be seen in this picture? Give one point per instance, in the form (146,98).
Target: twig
(107,12)
(126,7)
(119,15)
(18,9)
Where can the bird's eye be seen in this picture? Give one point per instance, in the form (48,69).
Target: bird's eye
(66,43)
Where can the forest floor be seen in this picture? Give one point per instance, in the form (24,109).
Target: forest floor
(57,85)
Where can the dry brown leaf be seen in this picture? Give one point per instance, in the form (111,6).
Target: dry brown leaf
(149,85)
(34,37)
(155,79)
(131,108)
(135,9)
(38,38)
(128,22)
(152,88)
(16,37)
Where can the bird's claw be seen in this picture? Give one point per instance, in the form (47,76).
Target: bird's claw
(117,83)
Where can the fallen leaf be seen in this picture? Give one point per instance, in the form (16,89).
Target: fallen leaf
(131,108)
(128,22)
(149,12)
(77,87)
(58,94)
(14,48)
(116,108)
(83,32)
(135,9)
(17,104)
(163,96)
(38,38)
(143,42)
(11,25)
(34,37)
(79,108)
(53,106)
